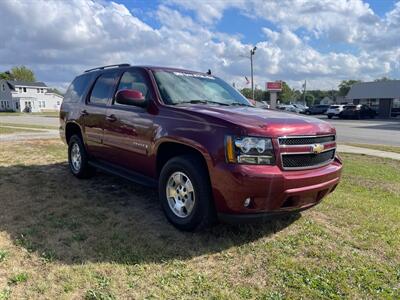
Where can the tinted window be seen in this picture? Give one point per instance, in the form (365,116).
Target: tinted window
(135,80)
(77,88)
(103,89)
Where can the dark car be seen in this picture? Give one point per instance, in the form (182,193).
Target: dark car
(211,154)
(317,109)
(359,111)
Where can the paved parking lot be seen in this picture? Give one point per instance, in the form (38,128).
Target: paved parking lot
(382,132)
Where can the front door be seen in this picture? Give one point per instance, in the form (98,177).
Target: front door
(94,112)
(128,129)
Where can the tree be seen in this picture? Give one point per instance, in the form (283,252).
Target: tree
(287,94)
(345,86)
(18,73)
(22,73)
(55,91)
(383,79)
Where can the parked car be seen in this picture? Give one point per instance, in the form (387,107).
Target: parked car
(210,153)
(317,109)
(334,110)
(359,111)
(300,108)
(289,108)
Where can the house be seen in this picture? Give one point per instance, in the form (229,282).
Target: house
(382,96)
(326,101)
(23,96)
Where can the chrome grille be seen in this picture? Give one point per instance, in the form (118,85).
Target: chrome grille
(306,140)
(308,160)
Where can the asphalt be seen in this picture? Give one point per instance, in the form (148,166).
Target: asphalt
(376,132)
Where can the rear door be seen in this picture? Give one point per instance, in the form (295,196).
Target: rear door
(94,112)
(129,130)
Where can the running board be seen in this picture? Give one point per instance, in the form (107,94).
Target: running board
(124,173)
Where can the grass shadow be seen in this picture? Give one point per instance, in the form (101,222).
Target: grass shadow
(105,219)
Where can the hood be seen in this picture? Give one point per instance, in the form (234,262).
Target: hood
(264,122)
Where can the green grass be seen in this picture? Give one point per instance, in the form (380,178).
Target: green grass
(8,130)
(18,278)
(54,114)
(106,238)
(33,126)
(377,147)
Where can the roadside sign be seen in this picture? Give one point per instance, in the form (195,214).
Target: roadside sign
(273,86)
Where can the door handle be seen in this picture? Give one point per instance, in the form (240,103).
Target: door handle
(84,112)
(111,118)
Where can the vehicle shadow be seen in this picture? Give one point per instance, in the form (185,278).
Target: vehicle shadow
(104,219)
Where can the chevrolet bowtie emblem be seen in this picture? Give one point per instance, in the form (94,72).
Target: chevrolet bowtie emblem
(317,148)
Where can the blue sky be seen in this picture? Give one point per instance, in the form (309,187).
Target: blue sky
(322,42)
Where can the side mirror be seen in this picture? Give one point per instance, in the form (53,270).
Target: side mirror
(130,97)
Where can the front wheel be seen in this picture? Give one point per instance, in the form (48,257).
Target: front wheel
(185,193)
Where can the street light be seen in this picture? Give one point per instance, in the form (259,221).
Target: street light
(252,51)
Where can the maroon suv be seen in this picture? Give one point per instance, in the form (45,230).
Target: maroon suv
(209,151)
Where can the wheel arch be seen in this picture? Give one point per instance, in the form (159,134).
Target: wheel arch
(170,148)
(72,128)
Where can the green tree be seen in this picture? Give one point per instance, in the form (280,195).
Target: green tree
(23,73)
(5,75)
(55,91)
(287,94)
(383,79)
(345,86)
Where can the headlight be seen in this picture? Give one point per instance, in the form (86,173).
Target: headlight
(250,150)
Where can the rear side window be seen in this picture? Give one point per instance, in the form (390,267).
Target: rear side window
(103,88)
(77,88)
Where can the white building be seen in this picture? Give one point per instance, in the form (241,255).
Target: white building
(27,97)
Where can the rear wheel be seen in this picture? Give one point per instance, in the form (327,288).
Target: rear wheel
(78,158)
(185,193)
(330,116)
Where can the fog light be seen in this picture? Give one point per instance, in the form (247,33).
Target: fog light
(247,202)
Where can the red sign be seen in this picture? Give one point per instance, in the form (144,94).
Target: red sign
(273,86)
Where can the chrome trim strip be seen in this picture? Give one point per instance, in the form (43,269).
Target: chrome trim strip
(302,137)
(310,152)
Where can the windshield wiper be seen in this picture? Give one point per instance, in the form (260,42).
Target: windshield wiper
(201,101)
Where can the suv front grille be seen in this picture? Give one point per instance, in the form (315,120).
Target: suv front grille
(307,140)
(308,160)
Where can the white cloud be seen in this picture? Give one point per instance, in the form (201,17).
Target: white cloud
(80,34)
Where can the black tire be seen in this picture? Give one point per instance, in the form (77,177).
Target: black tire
(330,116)
(85,170)
(203,213)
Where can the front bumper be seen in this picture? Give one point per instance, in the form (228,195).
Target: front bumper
(272,190)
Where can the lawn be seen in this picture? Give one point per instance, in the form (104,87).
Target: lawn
(9,130)
(52,114)
(33,126)
(377,147)
(106,238)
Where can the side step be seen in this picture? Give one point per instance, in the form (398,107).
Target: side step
(124,173)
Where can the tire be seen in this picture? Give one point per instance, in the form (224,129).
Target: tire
(330,116)
(193,217)
(78,163)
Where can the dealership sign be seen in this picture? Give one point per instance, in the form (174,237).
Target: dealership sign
(273,86)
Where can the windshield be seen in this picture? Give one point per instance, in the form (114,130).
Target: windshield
(184,87)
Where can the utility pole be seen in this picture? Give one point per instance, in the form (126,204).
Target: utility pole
(304,91)
(252,51)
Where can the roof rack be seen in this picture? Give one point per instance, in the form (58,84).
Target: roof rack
(109,66)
